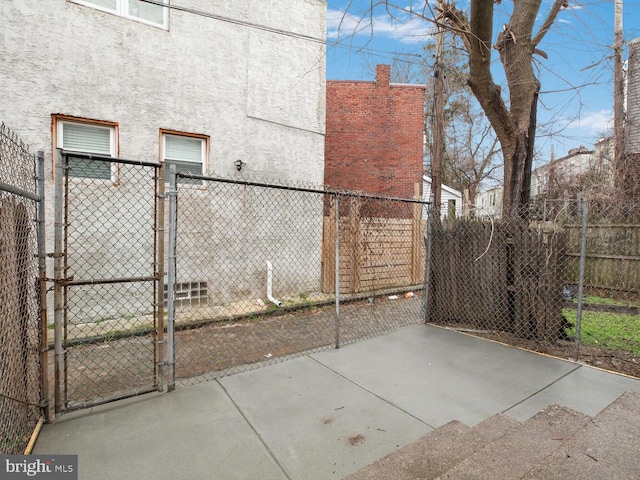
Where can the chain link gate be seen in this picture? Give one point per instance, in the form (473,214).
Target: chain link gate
(108,325)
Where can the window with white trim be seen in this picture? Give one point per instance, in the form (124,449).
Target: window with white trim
(86,137)
(138,10)
(187,153)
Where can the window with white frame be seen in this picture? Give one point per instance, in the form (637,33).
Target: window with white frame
(91,138)
(187,153)
(145,12)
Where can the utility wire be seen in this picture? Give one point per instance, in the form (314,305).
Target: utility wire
(235,21)
(244,23)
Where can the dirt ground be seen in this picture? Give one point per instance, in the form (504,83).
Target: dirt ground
(107,369)
(615,361)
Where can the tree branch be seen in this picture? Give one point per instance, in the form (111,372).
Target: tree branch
(553,13)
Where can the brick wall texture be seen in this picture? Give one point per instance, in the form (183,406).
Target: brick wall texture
(374,136)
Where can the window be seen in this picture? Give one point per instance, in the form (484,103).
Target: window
(135,9)
(187,153)
(86,137)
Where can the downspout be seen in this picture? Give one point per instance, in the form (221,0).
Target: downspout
(269,286)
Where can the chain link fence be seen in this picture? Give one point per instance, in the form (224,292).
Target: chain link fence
(565,281)
(22,395)
(261,272)
(265,272)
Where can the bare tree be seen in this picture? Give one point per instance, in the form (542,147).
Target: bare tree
(472,147)
(513,120)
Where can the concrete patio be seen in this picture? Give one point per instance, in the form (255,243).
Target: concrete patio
(325,415)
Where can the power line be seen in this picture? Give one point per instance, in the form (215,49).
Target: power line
(278,31)
(235,21)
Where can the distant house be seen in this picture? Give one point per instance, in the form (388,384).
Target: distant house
(632,126)
(489,203)
(451,203)
(553,178)
(374,135)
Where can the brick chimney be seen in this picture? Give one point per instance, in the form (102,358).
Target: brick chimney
(383,75)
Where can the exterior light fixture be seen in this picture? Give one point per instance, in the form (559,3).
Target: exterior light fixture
(239,164)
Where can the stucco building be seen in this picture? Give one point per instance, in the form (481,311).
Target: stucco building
(203,86)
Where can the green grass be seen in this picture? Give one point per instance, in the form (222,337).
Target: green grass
(594,300)
(611,331)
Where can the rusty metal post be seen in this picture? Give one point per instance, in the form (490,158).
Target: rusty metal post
(59,274)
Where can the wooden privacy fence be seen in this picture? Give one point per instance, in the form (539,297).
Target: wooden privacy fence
(380,246)
(612,262)
(502,276)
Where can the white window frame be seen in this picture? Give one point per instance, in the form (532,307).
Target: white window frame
(204,142)
(60,124)
(122,10)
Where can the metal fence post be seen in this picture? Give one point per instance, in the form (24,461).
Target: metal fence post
(42,289)
(583,253)
(59,277)
(337,268)
(427,266)
(171,279)
(159,297)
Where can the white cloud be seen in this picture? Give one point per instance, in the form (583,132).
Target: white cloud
(404,27)
(594,122)
(598,121)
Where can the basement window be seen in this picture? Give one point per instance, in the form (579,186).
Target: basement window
(188,293)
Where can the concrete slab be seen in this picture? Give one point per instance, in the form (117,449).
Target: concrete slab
(192,433)
(586,390)
(439,375)
(317,423)
(325,415)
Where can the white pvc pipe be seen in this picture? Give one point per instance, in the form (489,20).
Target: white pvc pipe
(269,286)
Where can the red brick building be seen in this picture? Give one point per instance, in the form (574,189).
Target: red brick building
(374,135)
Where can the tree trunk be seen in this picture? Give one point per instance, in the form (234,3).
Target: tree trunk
(515,126)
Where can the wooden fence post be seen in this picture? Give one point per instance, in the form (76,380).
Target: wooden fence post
(417,273)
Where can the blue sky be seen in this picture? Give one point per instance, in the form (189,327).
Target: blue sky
(577,79)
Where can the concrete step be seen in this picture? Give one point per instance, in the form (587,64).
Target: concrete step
(436,452)
(606,447)
(520,449)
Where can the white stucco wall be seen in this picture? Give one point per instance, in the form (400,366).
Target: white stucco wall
(250,90)
(258,94)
